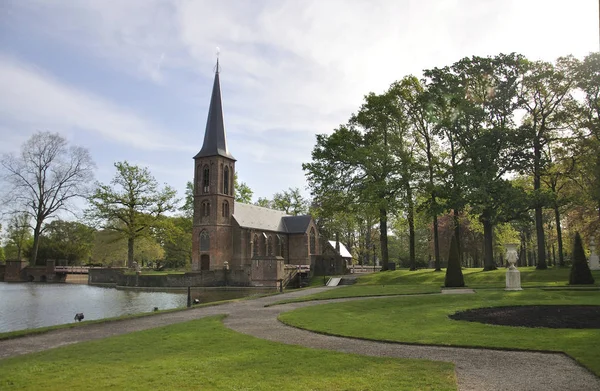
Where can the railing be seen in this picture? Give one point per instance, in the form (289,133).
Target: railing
(363,269)
(72,269)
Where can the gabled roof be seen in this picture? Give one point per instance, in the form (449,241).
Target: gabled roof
(252,216)
(344,253)
(215,140)
(296,224)
(257,217)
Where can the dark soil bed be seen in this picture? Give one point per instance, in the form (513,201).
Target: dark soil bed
(552,316)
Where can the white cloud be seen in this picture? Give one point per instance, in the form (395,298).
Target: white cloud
(36,101)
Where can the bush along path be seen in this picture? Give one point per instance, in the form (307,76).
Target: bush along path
(476,369)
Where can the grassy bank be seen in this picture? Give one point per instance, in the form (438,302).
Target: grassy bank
(424,319)
(405,282)
(204,355)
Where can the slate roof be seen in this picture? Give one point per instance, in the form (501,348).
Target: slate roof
(215,140)
(257,217)
(296,224)
(343,250)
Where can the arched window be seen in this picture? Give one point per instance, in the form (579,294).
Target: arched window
(204,241)
(205,179)
(278,251)
(225,210)
(270,245)
(226,180)
(313,241)
(256,245)
(205,209)
(263,244)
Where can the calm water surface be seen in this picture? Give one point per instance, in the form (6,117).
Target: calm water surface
(32,305)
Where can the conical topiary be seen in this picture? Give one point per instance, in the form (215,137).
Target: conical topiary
(454,276)
(580,271)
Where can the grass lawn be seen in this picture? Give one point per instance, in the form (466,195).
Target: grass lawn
(204,355)
(405,282)
(424,319)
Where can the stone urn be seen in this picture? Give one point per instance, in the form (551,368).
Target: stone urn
(513,276)
(511,255)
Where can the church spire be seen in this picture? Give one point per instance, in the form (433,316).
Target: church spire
(215,140)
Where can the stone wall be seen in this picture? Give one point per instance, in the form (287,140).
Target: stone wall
(2,267)
(267,271)
(105,275)
(12,272)
(206,278)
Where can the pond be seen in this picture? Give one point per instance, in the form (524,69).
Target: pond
(33,305)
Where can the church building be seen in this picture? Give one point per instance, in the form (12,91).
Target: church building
(256,242)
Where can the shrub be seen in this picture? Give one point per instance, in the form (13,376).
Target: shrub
(580,271)
(454,276)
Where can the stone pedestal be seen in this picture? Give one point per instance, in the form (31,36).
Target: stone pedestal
(513,280)
(513,276)
(594,261)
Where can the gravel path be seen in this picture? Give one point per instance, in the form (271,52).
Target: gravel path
(476,369)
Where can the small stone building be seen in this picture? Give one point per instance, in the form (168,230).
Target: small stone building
(235,236)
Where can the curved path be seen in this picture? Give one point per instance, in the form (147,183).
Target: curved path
(476,369)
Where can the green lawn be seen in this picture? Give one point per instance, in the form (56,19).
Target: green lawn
(405,282)
(424,319)
(204,355)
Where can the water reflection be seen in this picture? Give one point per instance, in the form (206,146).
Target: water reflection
(32,305)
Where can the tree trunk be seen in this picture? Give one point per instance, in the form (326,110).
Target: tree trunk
(383,239)
(411,232)
(36,243)
(561,258)
(436,245)
(539,224)
(457,234)
(488,238)
(130,252)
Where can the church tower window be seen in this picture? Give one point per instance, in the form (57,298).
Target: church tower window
(205,209)
(225,211)
(226,180)
(205,179)
(313,241)
(204,241)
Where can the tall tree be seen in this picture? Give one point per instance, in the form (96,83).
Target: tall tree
(486,98)
(359,160)
(291,202)
(243,192)
(416,103)
(132,204)
(46,177)
(70,241)
(545,88)
(588,81)
(18,234)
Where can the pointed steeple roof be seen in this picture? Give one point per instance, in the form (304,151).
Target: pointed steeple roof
(215,140)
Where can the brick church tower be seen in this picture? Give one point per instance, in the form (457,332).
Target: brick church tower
(214,170)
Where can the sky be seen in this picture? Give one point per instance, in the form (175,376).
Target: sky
(131,79)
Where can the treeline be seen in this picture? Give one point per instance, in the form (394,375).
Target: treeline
(489,149)
(131,219)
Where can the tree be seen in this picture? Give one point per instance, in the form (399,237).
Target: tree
(454,276)
(243,192)
(46,177)
(544,93)
(188,205)
(67,240)
(264,202)
(18,235)
(175,236)
(291,202)
(580,271)
(132,205)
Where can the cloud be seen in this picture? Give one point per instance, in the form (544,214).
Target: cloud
(34,100)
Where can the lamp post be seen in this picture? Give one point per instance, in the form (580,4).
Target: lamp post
(225,270)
